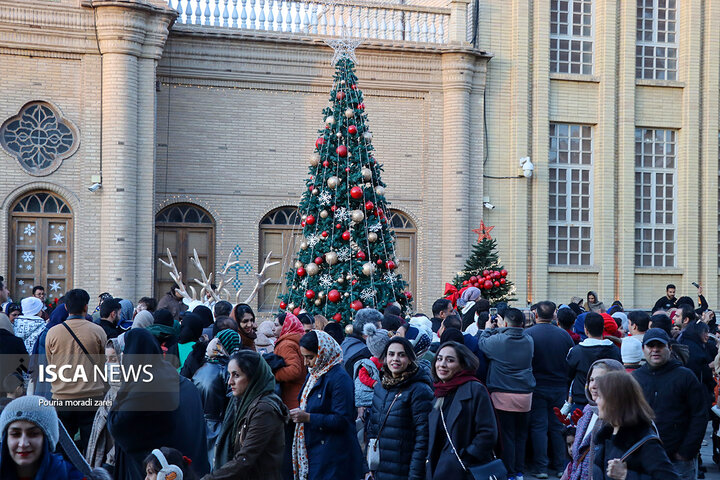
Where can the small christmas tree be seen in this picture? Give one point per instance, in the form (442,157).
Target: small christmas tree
(347,257)
(483,270)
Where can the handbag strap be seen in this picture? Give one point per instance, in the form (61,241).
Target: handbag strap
(82,347)
(639,444)
(387,414)
(452,445)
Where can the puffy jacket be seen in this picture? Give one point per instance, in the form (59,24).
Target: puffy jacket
(404,437)
(292,376)
(510,352)
(677,398)
(581,357)
(353,349)
(698,360)
(648,461)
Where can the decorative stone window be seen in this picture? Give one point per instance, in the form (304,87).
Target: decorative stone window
(39,138)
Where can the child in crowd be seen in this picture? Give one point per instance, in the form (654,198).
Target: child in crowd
(170,462)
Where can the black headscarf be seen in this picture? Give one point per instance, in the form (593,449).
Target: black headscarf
(191,328)
(205,315)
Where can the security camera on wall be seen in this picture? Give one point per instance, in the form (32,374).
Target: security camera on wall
(95,187)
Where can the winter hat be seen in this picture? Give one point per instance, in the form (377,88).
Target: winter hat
(230,340)
(423,324)
(30,409)
(163,317)
(363,316)
(143,319)
(377,338)
(469,295)
(631,351)
(623,319)
(419,340)
(610,326)
(205,314)
(31,306)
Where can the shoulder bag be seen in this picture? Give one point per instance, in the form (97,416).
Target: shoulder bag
(373,448)
(493,470)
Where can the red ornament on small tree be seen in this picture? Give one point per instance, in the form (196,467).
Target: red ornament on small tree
(356,192)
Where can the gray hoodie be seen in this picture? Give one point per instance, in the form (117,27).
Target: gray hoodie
(510,352)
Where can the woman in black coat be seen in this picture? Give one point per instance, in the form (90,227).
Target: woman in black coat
(627,446)
(401,403)
(465,405)
(14,356)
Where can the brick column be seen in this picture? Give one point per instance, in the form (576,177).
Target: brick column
(131,36)
(457,71)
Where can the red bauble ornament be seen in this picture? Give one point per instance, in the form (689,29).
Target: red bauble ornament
(361,106)
(361,255)
(326,164)
(319,142)
(352,129)
(283,305)
(309,294)
(302,224)
(353,86)
(354,281)
(496,283)
(369,205)
(502,281)
(338,226)
(340,95)
(488,284)
(333,208)
(356,192)
(356,305)
(337,317)
(346,235)
(408,295)
(473,279)
(486,273)
(311,187)
(341,150)
(379,261)
(296,311)
(324,234)
(334,296)
(318,260)
(390,265)
(301,272)
(465,282)
(310,220)
(347,169)
(503,272)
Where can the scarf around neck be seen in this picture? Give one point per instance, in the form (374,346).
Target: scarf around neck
(443,389)
(329,354)
(388,381)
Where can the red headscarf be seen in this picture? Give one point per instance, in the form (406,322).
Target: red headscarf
(291,325)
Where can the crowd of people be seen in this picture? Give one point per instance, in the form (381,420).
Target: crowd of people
(578,391)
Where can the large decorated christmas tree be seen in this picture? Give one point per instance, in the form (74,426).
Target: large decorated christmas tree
(347,257)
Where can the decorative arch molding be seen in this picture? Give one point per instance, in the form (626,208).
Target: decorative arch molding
(267,210)
(212,211)
(39,137)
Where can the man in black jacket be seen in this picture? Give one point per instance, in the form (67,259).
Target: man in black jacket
(583,355)
(668,301)
(109,316)
(679,402)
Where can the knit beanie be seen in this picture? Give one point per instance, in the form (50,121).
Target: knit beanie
(366,315)
(376,340)
(31,306)
(631,350)
(230,340)
(163,317)
(30,409)
(419,340)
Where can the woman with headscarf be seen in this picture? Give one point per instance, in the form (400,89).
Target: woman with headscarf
(166,330)
(14,356)
(245,319)
(191,358)
(29,326)
(324,445)
(127,310)
(207,318)
(13,311)
(594,304)
(39,357)
(164,412)
(251,441)
(101,446)
(580,467)
(398,420)
(143,319)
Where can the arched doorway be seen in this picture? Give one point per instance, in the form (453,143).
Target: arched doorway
(405,248)
(41,241)
(182,228)
(279,231)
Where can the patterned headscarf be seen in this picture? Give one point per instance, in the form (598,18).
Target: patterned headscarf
(329,354)
(291,325)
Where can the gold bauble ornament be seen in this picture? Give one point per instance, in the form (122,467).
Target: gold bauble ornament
(342,82)
(304,217)
(303,246)
(368,269)
(372,237)
(357,216)
(330,120)
(331,258)
(347,294)
(367,136)
(348,329)
(348,276)
(338,134)
(349,113)
(380,190)
(341,280)
(324,214)
(291,306)
(318,302)
(298,264)
(314,159)
(315,191)
(321,295)
(332,182)
(312,269)
(366,173)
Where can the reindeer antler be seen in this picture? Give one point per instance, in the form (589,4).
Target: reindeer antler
(206,282)
(260,282)
(222,280)
(177,277)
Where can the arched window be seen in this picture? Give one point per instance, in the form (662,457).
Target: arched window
(405,247)
(279,231)
(40,245)
(182,228)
